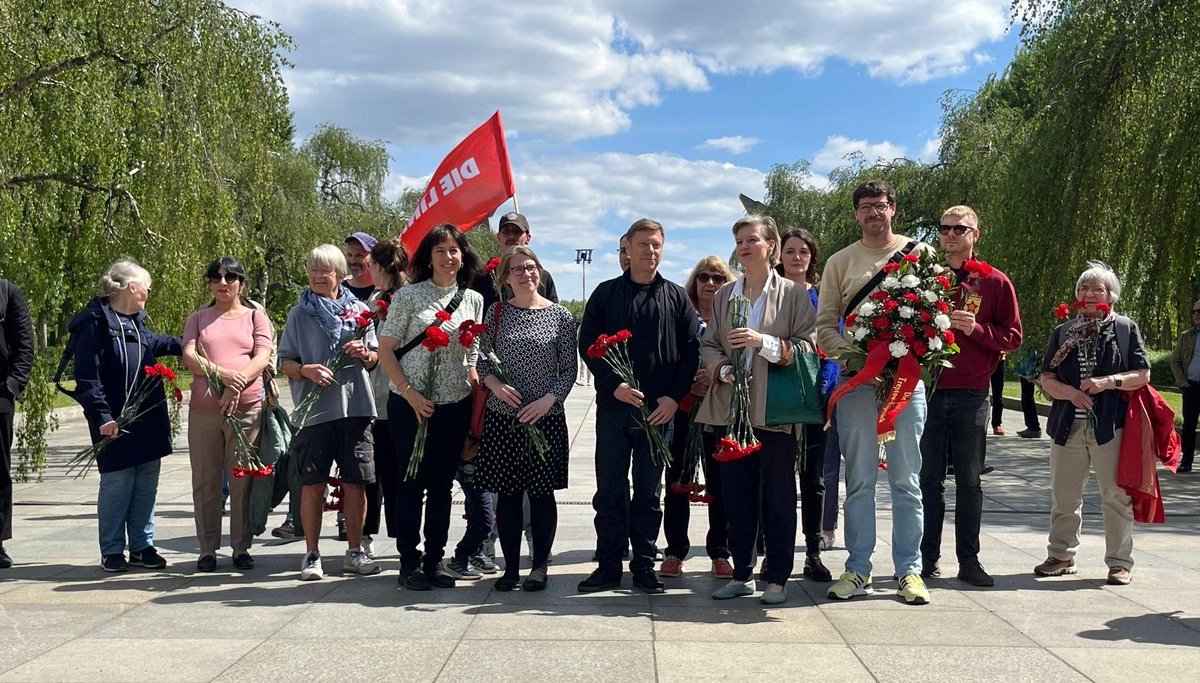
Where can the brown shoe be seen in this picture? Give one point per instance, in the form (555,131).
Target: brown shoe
(1119,576)
(1053,567)
(998,431)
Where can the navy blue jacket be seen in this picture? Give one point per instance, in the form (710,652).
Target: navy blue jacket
(107,359)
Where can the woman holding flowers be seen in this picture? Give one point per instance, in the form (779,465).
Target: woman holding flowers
(529,369)
(226,345)
(1090,359)
(387,266)
(702,284)
(800,264)
(429,408)
(114,352)
(761,318)
(326,350)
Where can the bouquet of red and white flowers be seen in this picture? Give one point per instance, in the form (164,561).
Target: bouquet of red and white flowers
(136,405)
(901,333)
(612,349)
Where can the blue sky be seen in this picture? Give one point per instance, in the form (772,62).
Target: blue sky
(618,109)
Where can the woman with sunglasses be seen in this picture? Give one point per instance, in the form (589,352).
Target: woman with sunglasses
(226,345)
(800,263)
(705,279)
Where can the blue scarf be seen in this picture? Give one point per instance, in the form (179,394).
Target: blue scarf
(333,315)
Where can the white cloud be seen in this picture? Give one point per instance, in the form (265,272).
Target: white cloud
(929,151)
(734,144)
(838,148)
(420,72)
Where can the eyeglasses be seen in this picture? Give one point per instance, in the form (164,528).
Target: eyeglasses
(705,278)
(228,278)
(958,229)
(523,270)
(876,206)
(1196,311)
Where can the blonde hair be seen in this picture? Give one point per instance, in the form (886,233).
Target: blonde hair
(770,232)
(965,214)
(120,274)
(713,263)
(510,254)
(328,256)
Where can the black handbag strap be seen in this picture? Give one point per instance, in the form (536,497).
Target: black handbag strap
(412,343)
(877,278)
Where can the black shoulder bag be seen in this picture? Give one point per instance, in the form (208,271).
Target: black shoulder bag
(412,343)
(877,278)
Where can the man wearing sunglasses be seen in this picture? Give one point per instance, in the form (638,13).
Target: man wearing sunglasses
(1185,365)
(986,324)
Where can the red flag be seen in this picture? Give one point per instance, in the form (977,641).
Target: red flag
(469,184)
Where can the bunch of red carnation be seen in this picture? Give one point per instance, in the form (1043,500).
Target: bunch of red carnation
(360,321)
(613,349)
(138,403)
(1062,311)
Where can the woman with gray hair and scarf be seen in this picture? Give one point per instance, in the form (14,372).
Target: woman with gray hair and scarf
(1090,359)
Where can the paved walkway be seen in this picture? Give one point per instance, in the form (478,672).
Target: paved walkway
(63,619)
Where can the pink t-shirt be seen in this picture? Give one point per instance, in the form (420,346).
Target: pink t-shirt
(230,343)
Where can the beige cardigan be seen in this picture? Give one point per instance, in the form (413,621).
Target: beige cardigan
(789,315)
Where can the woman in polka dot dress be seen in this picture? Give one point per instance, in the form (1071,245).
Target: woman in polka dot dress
(534,341)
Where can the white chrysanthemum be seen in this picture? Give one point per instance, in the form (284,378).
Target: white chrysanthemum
(898,349)
(910,280)
(906,311)
(930,295)
(890,282)
(935,344)
(867,308)
(860,333)
(938,270)
(942,321)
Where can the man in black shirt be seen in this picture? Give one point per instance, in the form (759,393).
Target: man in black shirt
(665,353)
(513,231)
(358,247)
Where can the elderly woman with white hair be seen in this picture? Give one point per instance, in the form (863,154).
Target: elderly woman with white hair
(1089,360)
(337,425)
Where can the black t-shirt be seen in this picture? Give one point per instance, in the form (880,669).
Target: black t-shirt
(361,293)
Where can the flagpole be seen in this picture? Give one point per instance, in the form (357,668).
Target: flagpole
(516,206)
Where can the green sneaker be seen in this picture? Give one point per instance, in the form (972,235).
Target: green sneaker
(913,590)
(849,585)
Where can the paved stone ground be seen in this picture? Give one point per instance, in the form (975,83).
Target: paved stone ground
(63,619)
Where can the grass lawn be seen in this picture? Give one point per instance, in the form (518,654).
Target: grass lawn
(1173,399)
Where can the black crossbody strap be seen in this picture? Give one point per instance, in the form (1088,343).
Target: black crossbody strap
(877,278)
(450,308)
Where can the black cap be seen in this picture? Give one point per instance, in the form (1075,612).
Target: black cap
(514,218)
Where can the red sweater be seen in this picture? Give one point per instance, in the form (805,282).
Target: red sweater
(997,330)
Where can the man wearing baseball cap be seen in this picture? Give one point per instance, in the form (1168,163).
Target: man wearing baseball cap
(358,246)
(513,231)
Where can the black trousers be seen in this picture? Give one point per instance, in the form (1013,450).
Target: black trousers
(622,448)
(6,484)
(676,507)
(955,434)
(1191,411)
(434,479)
(998,393)
(812,486)
(382,495)
(767,476)
(1028,405)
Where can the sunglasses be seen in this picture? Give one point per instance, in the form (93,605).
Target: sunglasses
(1196,311)
(705,278)
(227,279)
(957,229)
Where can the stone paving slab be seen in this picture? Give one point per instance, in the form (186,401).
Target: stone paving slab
(62,618)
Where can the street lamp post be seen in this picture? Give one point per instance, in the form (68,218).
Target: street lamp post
(583,257)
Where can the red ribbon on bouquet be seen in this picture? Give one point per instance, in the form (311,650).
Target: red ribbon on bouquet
(908,374)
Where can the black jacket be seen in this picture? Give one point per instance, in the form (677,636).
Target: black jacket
(665,347)
(16,345)
(103,368)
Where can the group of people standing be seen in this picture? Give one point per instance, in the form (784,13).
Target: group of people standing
(391,404)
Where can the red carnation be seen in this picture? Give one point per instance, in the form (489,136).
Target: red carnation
(492,264)
(890,305)
(929,331)
(926,316)
(1104,308)
(382,305)
(167,373)
(466,339)
(907,332)
(482,328)
(1077,305)
(943,281)
(435,338)
(911,258)
(880,323)
(178,395)
(1062,311)
(850,319)
(621,336)
(442,316)
(879,295)
(949,334)
(943,307)
(891,267)
(363,319)
(911,297)
(918,348)
(150,370)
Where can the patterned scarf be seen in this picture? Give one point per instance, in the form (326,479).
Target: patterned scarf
(1085,330)
(332,314)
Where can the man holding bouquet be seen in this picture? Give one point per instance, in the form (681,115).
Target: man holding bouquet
(663,352)
(987,324)
(852,283)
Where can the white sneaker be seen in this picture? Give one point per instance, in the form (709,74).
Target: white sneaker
(310,567)
(827,539)
(368,546)
(357,562)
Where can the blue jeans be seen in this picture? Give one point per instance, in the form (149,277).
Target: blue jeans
(126,505)
(856,416)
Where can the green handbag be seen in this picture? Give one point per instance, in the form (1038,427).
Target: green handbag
(794,391)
